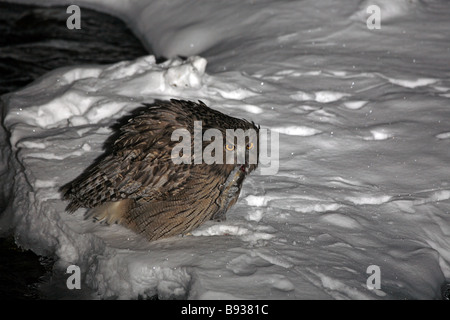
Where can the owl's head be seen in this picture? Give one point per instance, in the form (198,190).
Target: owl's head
(201,135)
(241,146)
(226,140)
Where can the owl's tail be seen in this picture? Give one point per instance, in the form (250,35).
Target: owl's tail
(111,212)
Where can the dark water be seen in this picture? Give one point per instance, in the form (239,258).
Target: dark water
(33,41)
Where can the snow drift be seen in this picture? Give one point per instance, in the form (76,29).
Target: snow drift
(364,139)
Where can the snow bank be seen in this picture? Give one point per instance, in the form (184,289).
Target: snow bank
(363,177)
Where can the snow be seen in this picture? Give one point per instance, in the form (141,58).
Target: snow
(363,174)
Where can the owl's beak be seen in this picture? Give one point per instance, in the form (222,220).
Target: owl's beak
(245,167)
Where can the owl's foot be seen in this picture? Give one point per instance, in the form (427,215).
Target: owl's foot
(219,216)
(186,234)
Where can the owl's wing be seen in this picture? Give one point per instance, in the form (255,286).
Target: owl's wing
(139,165)
(115,178)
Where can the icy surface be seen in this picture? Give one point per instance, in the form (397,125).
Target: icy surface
(362,117)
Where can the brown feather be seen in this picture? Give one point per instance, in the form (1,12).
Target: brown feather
(137,184)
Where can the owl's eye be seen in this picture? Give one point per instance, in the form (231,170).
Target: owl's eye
(229,147)
(250,146)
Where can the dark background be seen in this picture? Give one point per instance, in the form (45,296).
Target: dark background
(33,41)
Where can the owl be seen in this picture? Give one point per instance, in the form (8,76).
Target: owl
(142,183)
